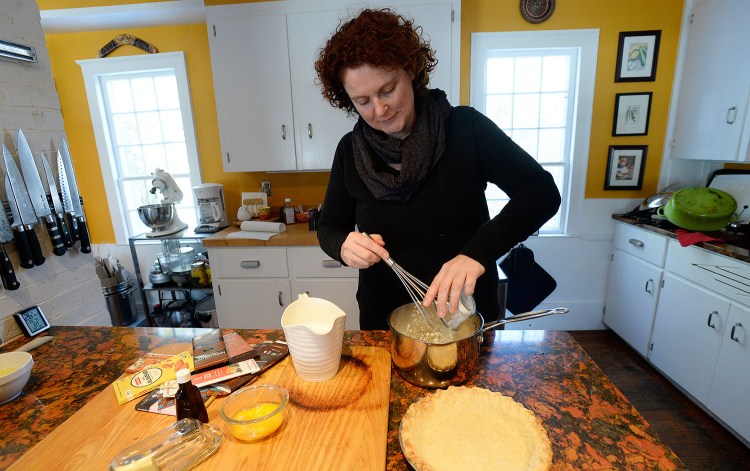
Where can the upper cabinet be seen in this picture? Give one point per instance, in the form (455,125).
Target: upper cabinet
(271,113)
(710,107)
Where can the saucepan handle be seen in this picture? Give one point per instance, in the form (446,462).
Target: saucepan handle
(525,316)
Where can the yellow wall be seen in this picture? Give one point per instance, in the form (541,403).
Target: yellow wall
(610,16)
(306,189)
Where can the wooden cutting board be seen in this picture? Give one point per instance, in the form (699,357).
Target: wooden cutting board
(341,423)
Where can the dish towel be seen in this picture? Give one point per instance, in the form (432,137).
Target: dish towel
(687,238)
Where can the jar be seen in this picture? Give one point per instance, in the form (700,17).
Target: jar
(199,274)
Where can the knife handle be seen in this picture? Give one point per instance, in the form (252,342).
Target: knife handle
(7,273)
(64,231)
(58,248)
(83,236)
(22,245)
(74,229)
(36,249)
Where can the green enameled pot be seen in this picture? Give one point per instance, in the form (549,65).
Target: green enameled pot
(699,209)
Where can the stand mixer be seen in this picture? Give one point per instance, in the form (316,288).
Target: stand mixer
(162,218)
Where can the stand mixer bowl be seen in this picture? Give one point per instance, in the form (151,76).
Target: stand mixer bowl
(156,216)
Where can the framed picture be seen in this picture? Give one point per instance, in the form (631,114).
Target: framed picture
(632,111)
(625,167)
(637,54)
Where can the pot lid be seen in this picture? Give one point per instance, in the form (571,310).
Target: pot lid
(705,202)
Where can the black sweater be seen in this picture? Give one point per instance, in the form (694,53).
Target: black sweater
(445,217)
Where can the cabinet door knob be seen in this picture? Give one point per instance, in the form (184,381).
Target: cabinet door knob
(635,243)
(309,130)
(283,132)
(649,286)
(710,319)
(250,264)
(731,334)
(731,115)
(331,263)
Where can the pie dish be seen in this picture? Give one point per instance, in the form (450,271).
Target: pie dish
(468,428)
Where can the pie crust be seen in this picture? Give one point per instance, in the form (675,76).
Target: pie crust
(468,428)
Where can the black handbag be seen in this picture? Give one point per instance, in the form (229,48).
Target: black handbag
(528,283)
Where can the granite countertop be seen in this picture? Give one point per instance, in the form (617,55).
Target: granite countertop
(734,245)
(297,234)
(590,423)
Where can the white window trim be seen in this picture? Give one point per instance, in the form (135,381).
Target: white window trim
(92,68)
(588,42)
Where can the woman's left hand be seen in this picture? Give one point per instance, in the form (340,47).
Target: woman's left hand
(457,275)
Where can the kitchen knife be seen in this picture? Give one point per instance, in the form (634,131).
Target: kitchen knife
(37,194)
(71,197)
(24,218)
(58,210)
(7,273)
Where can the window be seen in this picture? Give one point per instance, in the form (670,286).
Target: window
(531,84)
(140,110)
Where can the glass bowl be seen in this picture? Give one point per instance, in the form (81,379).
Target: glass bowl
(255,412)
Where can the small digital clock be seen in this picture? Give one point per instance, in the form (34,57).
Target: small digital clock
(32,321)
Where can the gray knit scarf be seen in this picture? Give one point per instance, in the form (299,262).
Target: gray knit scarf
(417,153)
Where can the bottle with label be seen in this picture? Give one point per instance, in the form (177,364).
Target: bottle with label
(188,400)
(287,212)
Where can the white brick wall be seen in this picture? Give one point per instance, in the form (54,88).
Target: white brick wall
(66,288)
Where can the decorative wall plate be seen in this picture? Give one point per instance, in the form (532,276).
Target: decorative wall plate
(537,11)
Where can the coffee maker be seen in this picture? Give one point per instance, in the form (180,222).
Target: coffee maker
(212,213)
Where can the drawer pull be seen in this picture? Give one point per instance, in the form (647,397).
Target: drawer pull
(635,243)
(250,264)
(731,334)
(731,115)
(650,286)
(710,318)
(309,130)
(283,132)
(331,263)
(281,301)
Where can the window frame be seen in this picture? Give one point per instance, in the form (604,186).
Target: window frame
(92,69)
(586,41)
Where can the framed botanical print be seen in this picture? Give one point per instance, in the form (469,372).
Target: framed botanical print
(632,112)
(625,167)
(637,53)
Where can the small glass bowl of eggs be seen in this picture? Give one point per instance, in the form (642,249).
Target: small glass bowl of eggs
(255,412)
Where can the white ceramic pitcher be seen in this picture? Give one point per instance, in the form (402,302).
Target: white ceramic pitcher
(314,330)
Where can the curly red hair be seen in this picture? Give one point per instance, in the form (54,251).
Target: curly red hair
(381,38)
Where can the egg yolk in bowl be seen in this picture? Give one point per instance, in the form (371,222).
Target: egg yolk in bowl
(261,428)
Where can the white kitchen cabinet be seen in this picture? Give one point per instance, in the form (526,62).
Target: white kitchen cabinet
(251,303)
(253,285)
(315,273)
(731,385)
(688,330)
(710,109)
(633,284)
(271,114)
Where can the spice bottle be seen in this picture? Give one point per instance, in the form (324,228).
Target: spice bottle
(287,212)
(188,399)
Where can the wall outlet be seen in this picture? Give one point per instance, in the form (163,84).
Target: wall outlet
(265,187)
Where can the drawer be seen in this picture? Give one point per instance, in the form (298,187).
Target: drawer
(312,262)
(242,262)
(723,275)
(643,244)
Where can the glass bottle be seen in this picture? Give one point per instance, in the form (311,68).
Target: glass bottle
(188,399)
(287,212)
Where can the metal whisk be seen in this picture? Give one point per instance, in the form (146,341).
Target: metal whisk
(415,287)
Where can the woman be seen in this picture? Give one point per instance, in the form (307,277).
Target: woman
(412,174)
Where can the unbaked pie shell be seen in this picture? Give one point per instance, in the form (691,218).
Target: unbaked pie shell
(468,428)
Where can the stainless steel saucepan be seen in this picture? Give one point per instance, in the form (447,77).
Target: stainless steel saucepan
(431,358)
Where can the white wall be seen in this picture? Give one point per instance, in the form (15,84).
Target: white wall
(66,288)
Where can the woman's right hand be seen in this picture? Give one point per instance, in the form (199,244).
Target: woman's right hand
(359,251)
